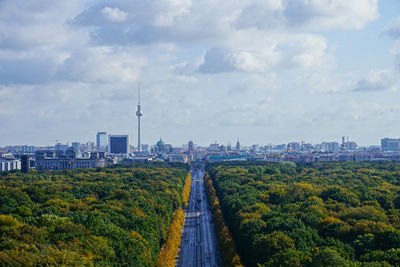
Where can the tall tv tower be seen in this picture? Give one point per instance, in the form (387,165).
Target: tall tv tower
(139,114)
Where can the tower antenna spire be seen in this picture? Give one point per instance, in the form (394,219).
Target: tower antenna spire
(139,114)
(139,93)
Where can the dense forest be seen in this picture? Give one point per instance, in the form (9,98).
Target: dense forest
(117,216)
(314,214)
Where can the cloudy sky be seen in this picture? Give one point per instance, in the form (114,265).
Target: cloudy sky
(266,71)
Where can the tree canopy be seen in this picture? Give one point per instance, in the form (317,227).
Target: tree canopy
(311,214)
(117,216)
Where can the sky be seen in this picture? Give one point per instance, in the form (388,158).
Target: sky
(263,71)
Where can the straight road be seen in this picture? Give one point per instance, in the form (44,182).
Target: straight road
(199,243)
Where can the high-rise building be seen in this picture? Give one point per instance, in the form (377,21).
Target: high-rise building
(330,146)
(191,146)
(389,144)
(238,145)
(101,141)
(255,148)
(280,147)
(351,145)
(119,144)
(384,143)
(139,114)
(25,164)
(343,145)
(295,146)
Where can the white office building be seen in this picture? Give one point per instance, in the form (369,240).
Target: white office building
(10,164)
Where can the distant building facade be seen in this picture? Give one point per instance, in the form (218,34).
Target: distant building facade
(390,144)
(162,147)
(214,147)
(77,145)
(145,148)
(25,163)
(255,148)
(69,160)
(191,146)
(60,146)
(101,141)
(280,147)
(351,145)
(118,144)
(26,149)
(89,146)
(178,158)
(295,146)
(238,145)
(9,164)
(330,146)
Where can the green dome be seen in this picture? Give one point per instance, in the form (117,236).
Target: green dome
(160,143)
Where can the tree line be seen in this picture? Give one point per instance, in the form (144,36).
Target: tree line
(227,247)
(170,249)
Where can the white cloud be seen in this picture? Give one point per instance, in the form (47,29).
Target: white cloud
(170,10)
(263,15)
(278,51)
(323,82)
(75,64)
(187,21)
(308,51)
(397,62)
(379,81)
(28,24)
(100,65)
(114,14)
(308,14)
(217,60)
(394,30)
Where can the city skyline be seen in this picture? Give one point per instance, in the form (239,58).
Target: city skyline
(93,144)
(266,71)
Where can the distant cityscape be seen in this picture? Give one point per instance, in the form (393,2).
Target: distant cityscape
(113,149)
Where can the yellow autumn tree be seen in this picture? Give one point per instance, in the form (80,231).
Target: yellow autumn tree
(186,189)
(169,251)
